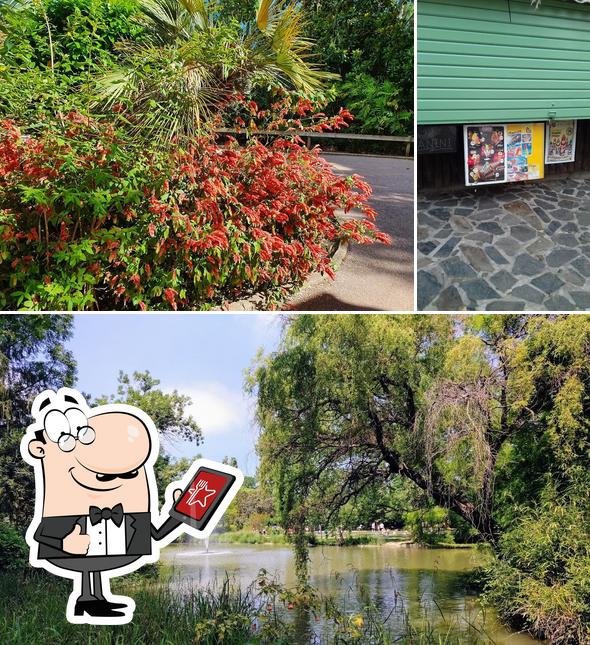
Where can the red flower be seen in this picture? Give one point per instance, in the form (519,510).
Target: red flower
(170,297)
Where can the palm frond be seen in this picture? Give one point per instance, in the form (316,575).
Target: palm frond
(189,65)
(284,46)
(263,13)
(168,21)
(198,9)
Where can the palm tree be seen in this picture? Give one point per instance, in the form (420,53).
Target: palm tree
(190,62)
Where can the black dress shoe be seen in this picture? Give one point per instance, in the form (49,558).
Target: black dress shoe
(112,605)
(96,608)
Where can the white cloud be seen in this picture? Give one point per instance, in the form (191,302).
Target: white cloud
(216,408)
(265,327)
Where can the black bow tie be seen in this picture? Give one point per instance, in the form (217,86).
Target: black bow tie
(97,514)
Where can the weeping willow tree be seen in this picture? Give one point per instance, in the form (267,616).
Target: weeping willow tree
(350,402)
(191,59)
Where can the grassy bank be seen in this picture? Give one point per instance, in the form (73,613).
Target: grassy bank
(33,611)
(355,538)
(248,537)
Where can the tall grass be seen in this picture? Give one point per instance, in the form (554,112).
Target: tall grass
(33,611)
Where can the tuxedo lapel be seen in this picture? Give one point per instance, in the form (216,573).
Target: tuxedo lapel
(129,528)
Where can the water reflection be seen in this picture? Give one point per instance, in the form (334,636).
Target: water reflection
(428,584)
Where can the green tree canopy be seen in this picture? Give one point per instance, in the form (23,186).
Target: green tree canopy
(33,358)
(478,412)
(166,409)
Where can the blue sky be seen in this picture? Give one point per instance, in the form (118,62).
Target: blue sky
(201,355)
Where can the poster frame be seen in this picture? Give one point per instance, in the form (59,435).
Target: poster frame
(547,126)
(466,156)
(542,132)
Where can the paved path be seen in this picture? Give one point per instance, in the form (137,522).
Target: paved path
(509,247)
(373,277)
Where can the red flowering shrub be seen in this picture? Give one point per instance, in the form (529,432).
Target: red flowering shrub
(287,112)
(88,220)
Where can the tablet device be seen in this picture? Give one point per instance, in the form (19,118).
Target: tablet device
(200,499)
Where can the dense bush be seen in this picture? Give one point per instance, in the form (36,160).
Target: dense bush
(377,105)
(428,525)
(51,50)
(541,576)
(71,38)
(370,44)
(90,220)
(14,551)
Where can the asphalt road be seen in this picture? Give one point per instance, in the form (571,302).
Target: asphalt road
(373,277)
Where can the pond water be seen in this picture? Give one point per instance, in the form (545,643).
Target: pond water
(429,585)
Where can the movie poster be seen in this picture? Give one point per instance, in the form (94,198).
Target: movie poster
(561,142)
(485,154)
(525,145)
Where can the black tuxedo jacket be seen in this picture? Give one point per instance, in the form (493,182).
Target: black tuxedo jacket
(139,532)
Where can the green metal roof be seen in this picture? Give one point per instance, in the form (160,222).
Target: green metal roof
(502,60)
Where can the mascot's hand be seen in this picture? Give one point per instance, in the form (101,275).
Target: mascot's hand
(76,542)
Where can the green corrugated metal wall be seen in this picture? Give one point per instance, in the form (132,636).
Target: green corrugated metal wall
(502,60)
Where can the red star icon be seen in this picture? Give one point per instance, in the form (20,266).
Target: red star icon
(200,494)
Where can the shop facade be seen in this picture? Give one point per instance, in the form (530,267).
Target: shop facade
(503,91)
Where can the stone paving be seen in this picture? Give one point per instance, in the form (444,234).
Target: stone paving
(507,247)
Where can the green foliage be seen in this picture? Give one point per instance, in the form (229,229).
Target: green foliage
(31,94)
(314,405)
(33,357)
(14,551)
(70,38)
(50,51)
(486,415)
(166,409)
(386,502)
(251,509)
(540,577)
(248,537)
(195,58)
(428,526)
(376,105)
(265,613)
(370,44)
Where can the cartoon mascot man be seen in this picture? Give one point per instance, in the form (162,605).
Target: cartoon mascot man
(96,511)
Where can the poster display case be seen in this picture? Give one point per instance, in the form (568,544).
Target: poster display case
(525,145)
(485,154)
(561,142)
(508,152)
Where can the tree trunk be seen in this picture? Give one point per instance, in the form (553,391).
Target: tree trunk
(479,518)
